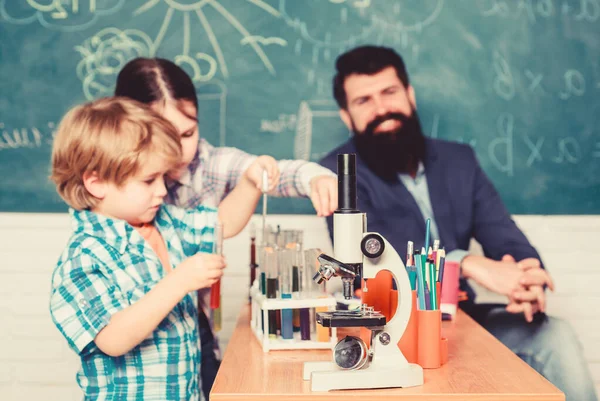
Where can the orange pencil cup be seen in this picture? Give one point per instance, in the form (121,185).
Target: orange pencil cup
(408,344)
(429,324)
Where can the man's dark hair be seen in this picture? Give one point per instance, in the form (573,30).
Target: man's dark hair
(367,60)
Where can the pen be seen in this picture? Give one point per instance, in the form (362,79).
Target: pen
(432,286)
(420,285)
(436,247)
(409,253)
(427,224)
(441,272)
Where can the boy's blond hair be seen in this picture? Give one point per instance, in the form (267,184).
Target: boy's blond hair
(112,137)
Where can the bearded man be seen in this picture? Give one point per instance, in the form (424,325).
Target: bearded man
(404,178)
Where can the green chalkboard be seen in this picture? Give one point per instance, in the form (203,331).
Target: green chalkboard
(519,80)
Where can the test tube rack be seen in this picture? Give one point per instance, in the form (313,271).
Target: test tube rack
(260,306)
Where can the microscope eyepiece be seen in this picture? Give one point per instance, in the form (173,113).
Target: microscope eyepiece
(347,183)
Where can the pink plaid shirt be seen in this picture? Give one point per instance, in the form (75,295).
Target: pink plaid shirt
(216,170)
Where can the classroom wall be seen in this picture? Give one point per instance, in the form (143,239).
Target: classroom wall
(36,364)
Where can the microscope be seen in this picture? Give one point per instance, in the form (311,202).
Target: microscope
(362,254)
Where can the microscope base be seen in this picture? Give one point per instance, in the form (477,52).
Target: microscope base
(325,376)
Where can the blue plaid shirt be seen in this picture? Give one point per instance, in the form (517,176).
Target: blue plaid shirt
(108,266)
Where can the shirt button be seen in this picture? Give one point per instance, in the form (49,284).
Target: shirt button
(83,303)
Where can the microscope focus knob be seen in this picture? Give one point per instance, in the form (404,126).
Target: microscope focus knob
(372,246)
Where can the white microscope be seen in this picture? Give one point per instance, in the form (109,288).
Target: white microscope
(363,254)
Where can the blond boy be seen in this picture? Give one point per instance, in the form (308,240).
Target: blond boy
(123,289)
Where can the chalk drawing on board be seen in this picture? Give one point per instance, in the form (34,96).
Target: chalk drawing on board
(195,9)
(338,25)
(61,15)
(373,19)
(264,41)
(309,113)
(104,54)
(407,18)
(212,99)
(320,29)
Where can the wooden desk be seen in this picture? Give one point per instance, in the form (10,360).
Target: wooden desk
(479,368)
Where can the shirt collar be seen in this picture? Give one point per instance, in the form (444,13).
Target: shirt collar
(420,172)
(115,232)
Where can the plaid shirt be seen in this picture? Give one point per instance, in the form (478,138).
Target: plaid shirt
(215,171)
(108,266)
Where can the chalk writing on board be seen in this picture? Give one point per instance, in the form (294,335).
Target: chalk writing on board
(568,151)
(504,84)
(500,149)
(535,149)
(532,10)
(104,54)
(565,150)
(574,82)
(62,15)
(195,9)
(535,81)
(589,10)
(284,122)
(561,150)
(19,138)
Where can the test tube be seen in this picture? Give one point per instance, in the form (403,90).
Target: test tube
(253,264)
(215,291)
(316,291)
(267,241)
(297,263)
(270,266)
(285,289)
(310,257)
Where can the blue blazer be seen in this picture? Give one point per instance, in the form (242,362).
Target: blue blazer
(465,204)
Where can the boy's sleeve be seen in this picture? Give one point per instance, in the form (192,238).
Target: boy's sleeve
(197,228)
(83,300)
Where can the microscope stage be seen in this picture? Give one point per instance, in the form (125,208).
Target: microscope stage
(353,318)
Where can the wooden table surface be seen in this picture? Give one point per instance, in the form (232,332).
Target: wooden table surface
(479,368)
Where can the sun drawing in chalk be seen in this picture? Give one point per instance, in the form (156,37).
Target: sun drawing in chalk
(194,11)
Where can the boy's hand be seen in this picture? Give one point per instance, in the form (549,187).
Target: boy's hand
(254,173)
(200,271)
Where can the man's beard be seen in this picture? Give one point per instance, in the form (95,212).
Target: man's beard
(389,153)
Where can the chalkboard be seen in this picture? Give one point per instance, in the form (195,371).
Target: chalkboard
(519,80)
